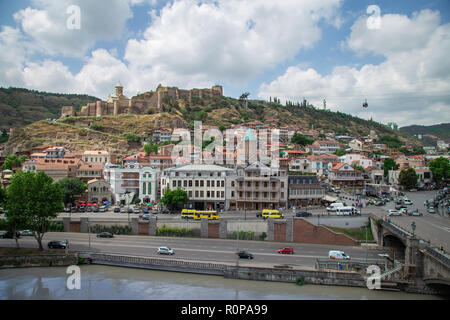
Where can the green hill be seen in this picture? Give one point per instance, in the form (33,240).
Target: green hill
(430,133)
(20,107)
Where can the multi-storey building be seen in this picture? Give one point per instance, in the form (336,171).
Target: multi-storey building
(304,190)
(132,178)
(259,187)
(96,157)
(324,146)
(204,184)
(343,175)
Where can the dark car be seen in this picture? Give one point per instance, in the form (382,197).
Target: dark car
(95,209)
(105,235)
(399,206)
(166,211)
(244,255)
(129,210)
(8,235)
(58,244)
(74,209)
(303,214)
(145,211)
(116,209)
(82,209)
(66,209)
(287,250)
(89,209)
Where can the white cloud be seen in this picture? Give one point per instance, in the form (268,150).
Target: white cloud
(226,41)
(411,86)
(47,25)
(12,56)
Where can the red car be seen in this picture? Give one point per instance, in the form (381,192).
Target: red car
(286,250)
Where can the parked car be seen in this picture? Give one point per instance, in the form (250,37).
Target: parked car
(8,235)
(82,209)
(165,250)
(303,214)
(146,216)
(89,209)
(26,233)
(431,210)
(400,206)
(338,255)
(57,244)
(66,209)
(129,210)
(102,209)
(166,211)
(145,211)
(95,209)
(116,209)
(74,209)
(105,235)
(288,250)
(394,213)
(407,202)
(123,210)
(136,210)
(413,190)
(244,254)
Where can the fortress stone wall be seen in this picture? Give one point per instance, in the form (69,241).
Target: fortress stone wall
(117,103)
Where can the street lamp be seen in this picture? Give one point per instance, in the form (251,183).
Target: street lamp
(89,232)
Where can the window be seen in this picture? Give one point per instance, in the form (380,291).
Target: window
(201,183)
(222,194)
(222,184)
(212,194)
(196,183)
(179,183)
(212,183)
(184,183)
(196,193)
(201,194)
(207,183)
(208,194)
(190,194)
(174,183)
(232,194)
(232,183)
(190,183)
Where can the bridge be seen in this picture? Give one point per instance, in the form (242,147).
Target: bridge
(421,267)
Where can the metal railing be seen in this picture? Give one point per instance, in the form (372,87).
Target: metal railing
(351,265)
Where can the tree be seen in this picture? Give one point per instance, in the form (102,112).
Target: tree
(440,168)
(174,198)
(340,152)
(12,161)
(33,200)
(389,164)
(300,139)
(408,178)
(70,188)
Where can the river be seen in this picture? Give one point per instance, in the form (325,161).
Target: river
(117,283)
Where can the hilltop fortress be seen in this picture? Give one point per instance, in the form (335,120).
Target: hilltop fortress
(118,103)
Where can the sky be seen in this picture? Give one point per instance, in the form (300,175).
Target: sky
(392,53)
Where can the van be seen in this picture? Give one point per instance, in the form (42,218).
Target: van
(338,255)
(267,213)
(335,205)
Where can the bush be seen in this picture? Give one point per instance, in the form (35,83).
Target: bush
(96,126)
(55,226)
(263,236)
(300,281)
(114,229)
(131,137)
(244,235)
(174,232)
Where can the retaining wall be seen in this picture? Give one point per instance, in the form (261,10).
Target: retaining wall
(38,261)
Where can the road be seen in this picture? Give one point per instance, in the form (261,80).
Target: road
(433,227)
(217,250)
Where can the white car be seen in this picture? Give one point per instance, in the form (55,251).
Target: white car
(407,202)
(165,250)
(394,213)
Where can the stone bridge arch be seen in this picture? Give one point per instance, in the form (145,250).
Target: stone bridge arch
(395,243)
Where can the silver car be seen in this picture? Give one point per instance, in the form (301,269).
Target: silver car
(165,250)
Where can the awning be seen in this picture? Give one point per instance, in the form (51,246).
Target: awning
(330,198)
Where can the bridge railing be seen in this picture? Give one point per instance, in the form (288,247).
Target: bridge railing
(438,255)
(351,265)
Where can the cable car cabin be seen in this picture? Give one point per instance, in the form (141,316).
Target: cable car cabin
(365,104)
(210,215)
